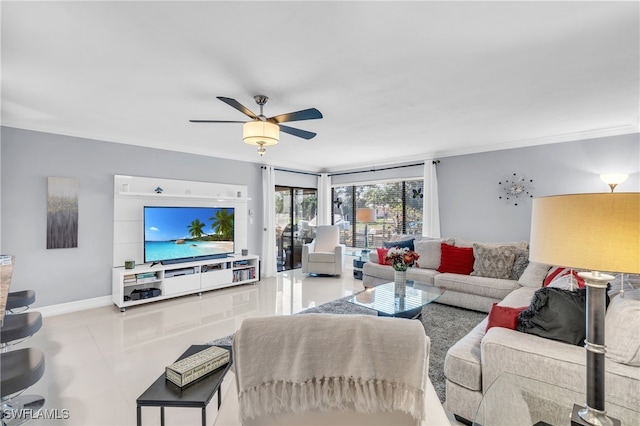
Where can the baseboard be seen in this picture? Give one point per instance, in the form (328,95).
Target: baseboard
(79,305)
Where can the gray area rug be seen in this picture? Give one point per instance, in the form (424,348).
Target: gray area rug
(444,325)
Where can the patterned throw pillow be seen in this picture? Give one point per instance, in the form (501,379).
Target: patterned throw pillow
(400,244)
(520,263)
(493,262)
(564,278)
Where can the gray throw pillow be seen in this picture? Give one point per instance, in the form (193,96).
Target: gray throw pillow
(520,263)
(493,262)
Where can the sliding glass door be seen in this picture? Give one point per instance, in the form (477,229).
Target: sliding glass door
(295,224)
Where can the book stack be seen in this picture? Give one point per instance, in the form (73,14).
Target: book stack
(197,365)
(129,279)
(145,277)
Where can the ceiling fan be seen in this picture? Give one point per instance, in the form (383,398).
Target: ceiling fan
(263,131)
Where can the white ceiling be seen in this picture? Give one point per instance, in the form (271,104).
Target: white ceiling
(396,81)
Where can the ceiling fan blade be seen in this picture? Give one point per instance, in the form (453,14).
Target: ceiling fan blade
(297,132)
(305,114)
(237,105)
(215,121)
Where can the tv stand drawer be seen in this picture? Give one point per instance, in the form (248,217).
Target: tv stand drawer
(180,284)
(214,279)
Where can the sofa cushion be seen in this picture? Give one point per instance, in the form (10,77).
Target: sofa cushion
(462,364)
(384,273)
(421,275)
(504,316)
(534,275)
(556,314)
(622,337)
(456,260)
(493,262)
(493,288)
(322,257)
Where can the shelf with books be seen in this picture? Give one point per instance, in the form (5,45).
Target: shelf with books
(181,279)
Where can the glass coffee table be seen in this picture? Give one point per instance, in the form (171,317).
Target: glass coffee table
(388,302)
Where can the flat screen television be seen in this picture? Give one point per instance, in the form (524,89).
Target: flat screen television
(183,234)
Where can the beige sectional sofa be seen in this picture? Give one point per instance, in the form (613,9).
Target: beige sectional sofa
(479,358)
(466,291)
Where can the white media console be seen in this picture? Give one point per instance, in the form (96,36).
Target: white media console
(160,282)
(130,195)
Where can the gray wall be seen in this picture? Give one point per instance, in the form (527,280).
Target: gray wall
(469,190)
(468,186)
(65,275)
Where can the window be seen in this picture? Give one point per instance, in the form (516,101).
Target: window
(398,207)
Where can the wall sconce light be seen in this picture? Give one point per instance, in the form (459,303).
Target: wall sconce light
(614,179)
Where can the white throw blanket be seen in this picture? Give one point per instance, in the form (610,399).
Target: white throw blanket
(330,362)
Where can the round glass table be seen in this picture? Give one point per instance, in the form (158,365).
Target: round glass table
(387,301)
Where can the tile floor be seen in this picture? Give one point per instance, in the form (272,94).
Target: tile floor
(99,361)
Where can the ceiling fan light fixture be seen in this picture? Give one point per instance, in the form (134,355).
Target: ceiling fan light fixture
(261,133)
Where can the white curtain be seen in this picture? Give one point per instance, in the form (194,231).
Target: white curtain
(431,209)
(268,263)
(325,202)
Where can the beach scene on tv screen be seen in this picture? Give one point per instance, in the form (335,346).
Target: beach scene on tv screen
(187,232)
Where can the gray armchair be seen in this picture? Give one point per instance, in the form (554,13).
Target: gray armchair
(323,255)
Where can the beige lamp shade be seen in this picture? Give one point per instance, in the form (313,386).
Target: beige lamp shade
(260,133)
(596,232)
(366,215)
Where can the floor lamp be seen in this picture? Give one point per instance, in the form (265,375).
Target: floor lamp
(596,232)
(366,215)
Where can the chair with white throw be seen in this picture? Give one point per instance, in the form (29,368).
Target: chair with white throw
(329,369)
(323,255)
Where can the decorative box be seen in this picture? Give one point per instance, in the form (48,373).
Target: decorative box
(197,365)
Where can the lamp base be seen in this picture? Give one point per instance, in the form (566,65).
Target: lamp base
(581,416)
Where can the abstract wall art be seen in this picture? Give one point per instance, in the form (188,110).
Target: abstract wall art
(62,212)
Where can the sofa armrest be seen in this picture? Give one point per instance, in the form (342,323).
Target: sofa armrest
(308,248)
(556,363)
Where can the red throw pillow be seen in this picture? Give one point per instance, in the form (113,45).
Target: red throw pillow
(456,260)
(504,316)
(382,253)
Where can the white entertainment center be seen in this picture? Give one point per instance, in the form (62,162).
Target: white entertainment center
(149,283)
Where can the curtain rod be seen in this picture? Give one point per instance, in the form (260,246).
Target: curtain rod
(351,173)
(292,171)
(384,168)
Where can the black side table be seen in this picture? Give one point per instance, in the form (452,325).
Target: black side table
(164,393)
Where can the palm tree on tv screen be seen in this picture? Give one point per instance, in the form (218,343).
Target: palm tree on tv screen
(195,228)
(223,224)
